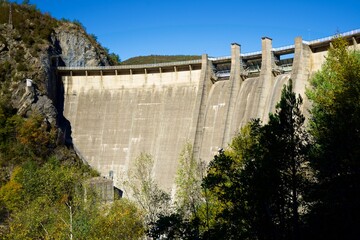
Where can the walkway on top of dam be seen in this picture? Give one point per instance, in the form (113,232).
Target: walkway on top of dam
(251,62)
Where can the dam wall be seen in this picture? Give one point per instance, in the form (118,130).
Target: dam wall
(115,118)
(116,113)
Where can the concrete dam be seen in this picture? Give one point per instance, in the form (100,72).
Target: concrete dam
(118,112)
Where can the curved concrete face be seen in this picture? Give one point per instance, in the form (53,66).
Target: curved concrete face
(215,119)
(115,118)
(118,112)
(246,108)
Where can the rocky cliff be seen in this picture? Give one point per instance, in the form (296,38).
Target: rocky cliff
(31,46)
(75,48)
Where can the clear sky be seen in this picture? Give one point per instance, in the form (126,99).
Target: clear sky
(132,28)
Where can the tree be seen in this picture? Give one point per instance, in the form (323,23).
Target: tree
(122,220)
(145,191)
(38,135)
(114,58)
(183,222)
(260,181)
(225,187)
(283,165)
(188,183)
(48,202)
(335,126)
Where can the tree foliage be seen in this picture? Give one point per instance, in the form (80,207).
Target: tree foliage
(145,191)
(47,202)
(335,126)
(188,182)
(37,135)
(260,181)
(123,220)
(184,219)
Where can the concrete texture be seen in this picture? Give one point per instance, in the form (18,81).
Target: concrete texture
(102,187)
(118,112)
(115,118)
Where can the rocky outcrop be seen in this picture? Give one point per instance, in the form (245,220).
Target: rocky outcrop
(69,45)
(74,48)
(34,101)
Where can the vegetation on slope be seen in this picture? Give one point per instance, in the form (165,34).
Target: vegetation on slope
(26,45)
(159,59)
(42,180)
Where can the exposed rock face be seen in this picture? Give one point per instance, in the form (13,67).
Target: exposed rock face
(76,49)
(69,46)
(34,101)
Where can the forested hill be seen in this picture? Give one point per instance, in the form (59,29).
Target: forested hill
(31,41)
(41,177)
(159,59)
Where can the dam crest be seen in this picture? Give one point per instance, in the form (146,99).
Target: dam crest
(118,112)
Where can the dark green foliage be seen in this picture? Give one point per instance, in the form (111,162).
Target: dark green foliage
(79,24)
(335,125)
(28,37)
(174,226)
(8,143)
(5,71)
(35,31)
(223,181)
(260,183)
(114,59)
(93,36)
(21,67)
(278,173)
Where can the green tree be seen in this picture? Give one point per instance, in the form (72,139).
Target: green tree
(114,59)
(227,205)
(47,202)
(188,183)
(335,126)
(279,172)
(122,220)
(37,135)
(260,181)
(142,187)
(183,222)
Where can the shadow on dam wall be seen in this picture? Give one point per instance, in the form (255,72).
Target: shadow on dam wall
(118,112)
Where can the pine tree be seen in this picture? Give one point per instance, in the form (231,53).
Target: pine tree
(335,125)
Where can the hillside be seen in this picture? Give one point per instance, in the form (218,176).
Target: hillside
(36,155)
(159,59)
(34,42)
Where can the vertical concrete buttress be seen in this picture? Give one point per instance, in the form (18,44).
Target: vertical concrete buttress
(266,79)
(301,65)
(301,69)
(232,92)
(200,106)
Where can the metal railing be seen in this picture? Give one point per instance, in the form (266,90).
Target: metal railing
(156,65)
(329,38)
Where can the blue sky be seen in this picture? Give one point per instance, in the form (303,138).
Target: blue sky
(132,28)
